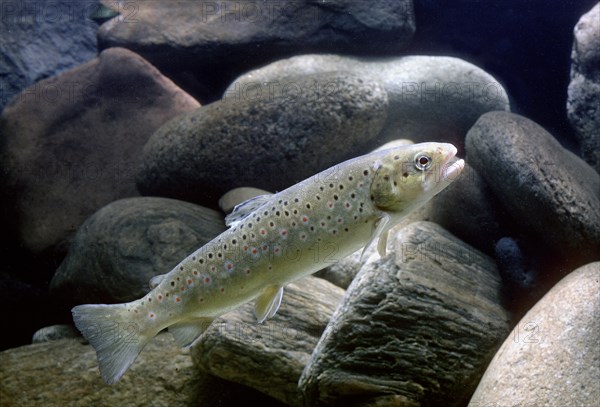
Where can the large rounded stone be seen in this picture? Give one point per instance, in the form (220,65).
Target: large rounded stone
(583,102)
(270,357)
(41,39)
(267,142)
(122,246)
(551,196)
(417,327)
(430,98)
(552,356)
(65,373)
(217,41)
(70,143)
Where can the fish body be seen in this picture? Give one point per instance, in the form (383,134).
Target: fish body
(271,241)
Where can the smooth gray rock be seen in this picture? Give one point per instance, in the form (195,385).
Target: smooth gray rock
(70,144)
(552,196)
(65,373)
(269,143)
(41,39)
(208,43)
(270,357)
(417,327)
(552,357)
(430,98)
(122,246)
(583,102)
(53,333)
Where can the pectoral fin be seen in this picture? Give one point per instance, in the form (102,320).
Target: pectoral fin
(186,332)
(244,209)
(379,231)
(268,303)
(156,280)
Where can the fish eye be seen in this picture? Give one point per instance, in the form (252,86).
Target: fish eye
(422,161)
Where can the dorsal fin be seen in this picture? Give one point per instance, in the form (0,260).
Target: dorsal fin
(245,208)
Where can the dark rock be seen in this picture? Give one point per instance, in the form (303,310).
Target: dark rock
(41,39)
(513,264)
(54,333)
(70,143)
(583,102)
(416,327)
(551,196)
(467,210)
(551,357)
(430,98)
(122,246)
(217,41)
(65,373)
(269,143)
(270,357)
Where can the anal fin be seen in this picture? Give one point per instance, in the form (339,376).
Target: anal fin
(186,332)
(268,303)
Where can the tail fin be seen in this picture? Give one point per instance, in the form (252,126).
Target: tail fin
(114,334)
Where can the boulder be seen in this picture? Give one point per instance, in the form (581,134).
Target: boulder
(217,41)
(269,143)
(430,98)
(270,357)
(551,357)
(583,101)
(417,327)
(42,39)
(550,195)
(70,144)
(122,246)
(65,373)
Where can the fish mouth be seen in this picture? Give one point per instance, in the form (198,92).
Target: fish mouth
(451,167)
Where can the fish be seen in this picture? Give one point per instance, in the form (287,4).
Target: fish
(271,241)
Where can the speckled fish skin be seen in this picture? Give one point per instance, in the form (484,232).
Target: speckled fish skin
(272,240)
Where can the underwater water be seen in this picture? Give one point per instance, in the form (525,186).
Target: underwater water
(129,130)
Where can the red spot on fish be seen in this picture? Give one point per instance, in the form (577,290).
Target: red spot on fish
(177,299)
(263,232)
(195,272)
(207,280)
(222,290)
(283,232)
(182,288)
(189,281)
(152,315)
(160,297)
(305,219)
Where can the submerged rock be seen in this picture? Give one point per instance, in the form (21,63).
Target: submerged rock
(70,144)
(122,246)
(551,357)
(430,98)
(40,40)
(269,143)
(219,40)
(54,333)
(416,327)
(583,102)
(270,357)
(550,195)
(65,373)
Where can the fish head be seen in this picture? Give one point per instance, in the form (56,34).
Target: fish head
(408,176)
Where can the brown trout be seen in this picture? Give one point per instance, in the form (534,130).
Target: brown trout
(271,241)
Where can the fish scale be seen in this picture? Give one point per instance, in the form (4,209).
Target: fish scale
(271,241)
